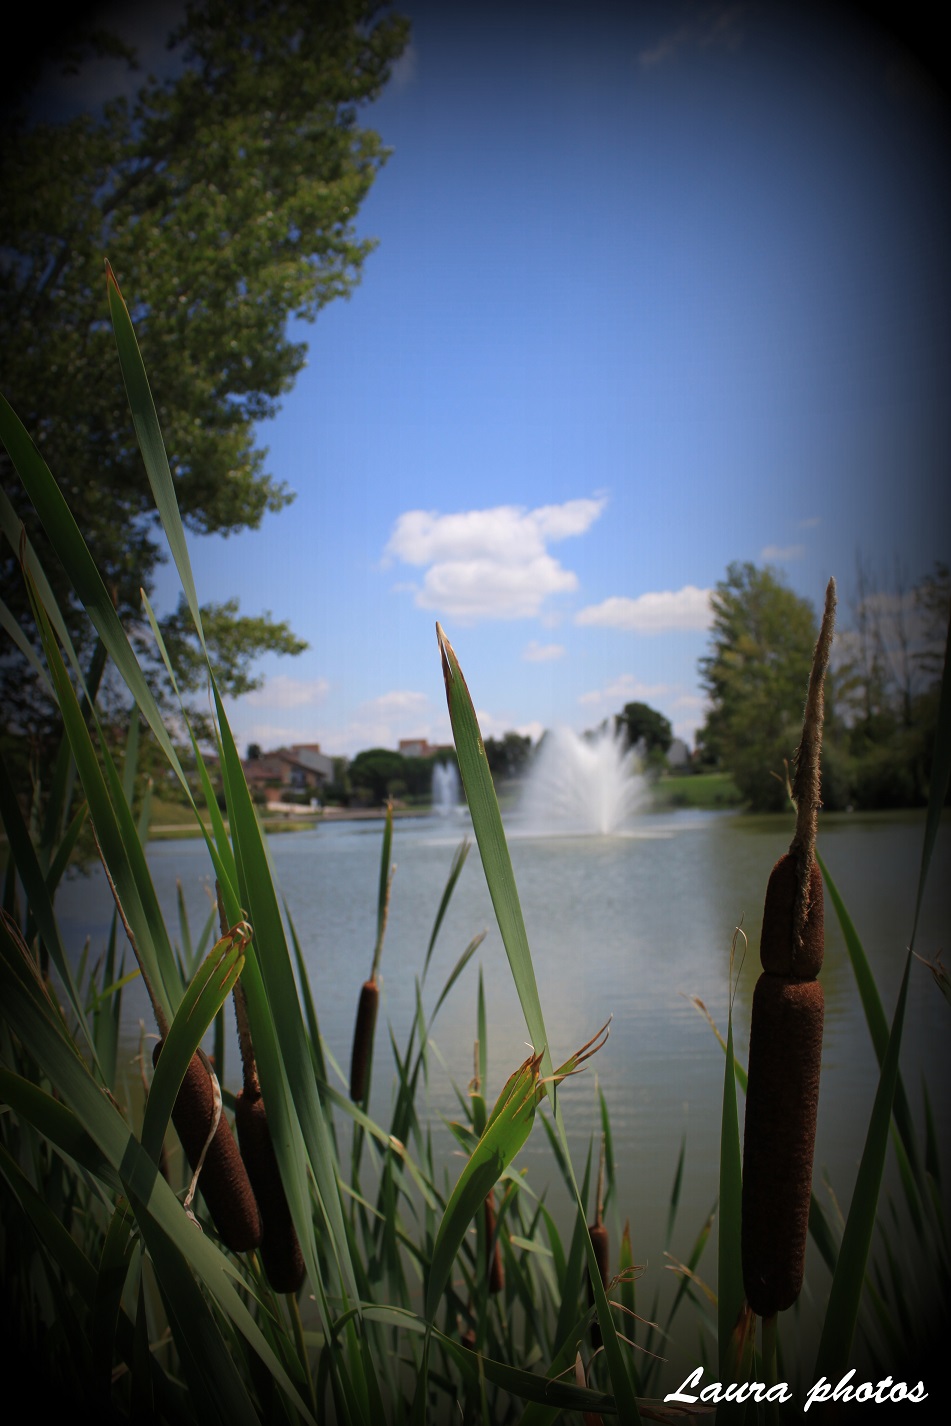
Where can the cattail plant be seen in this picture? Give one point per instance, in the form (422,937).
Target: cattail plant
(204,1131)
(363,1032)
(782,1096)
(211,1150)
(601,1245)
(280,1247)
(495,1273)
(361,1056)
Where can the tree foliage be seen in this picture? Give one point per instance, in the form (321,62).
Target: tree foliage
(378,773)
(755,676)
(225,198)
(641,723)
(881,700)
(508,756)
(890,668)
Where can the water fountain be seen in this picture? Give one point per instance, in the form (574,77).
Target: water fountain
(583,785)
(445,788)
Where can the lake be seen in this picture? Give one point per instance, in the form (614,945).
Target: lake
(627,926)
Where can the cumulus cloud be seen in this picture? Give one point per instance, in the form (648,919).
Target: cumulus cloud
(781,554)
(658,612)
(490,564)
(542,653)
(624,689)
(282,691)
(715,26)
(381,722)
(398,703)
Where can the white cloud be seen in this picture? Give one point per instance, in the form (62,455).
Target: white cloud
(490,564)
(399,703)
(282,691)
(782,554)
(718,25)
(271,736)
(542,653)
(654,613)
(625,688)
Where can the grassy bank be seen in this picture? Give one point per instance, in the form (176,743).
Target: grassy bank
(709,790)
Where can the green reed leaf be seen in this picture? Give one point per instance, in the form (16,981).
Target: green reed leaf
(508,1127)
(846,1291)
(149,435)
(730,1293)
(493,848)
(209,989)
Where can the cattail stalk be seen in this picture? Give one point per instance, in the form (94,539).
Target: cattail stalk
(363,1032)
(204,1132)
(601,1245)
(495,1273)
(280,1246)
(782,1096)
(361,1055)
(224,1181)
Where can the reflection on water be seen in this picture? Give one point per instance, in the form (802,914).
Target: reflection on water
(630,927)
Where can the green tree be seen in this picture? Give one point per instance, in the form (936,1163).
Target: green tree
(756,674)
(225,199)
(507,756)
(377,773)
(643,723)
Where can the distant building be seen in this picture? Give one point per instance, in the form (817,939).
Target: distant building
(422,748)
(678,754)
(299,768)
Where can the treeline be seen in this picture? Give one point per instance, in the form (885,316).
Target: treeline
(379,773)
(881,698)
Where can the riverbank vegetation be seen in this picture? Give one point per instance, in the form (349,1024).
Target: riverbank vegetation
(195,182)
(882,705)
(415,1296)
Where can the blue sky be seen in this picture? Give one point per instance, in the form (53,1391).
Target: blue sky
(658,287)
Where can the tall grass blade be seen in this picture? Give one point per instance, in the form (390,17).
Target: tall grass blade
(115,831)
(493,848)
(846,1291)
(71,550)
(458,862)
(40,900)
(152,446)
(507,1129)
(872,1006)
(730,1293)
(500,878)
(201,1002)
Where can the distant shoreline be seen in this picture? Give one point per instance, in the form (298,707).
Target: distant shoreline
(294,820)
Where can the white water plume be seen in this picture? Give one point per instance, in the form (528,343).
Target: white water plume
(583,785)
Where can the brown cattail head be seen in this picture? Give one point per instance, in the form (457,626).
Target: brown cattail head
(363,1040)
(223,1180)
(602,1253)
(780,951)
(280,1247)
(493,1248)
(782,1100)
